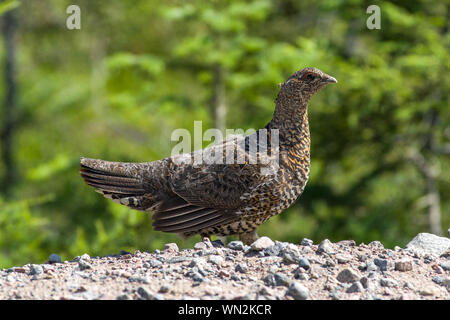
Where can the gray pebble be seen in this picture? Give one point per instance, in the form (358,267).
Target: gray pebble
(123,297)
(381,263)
(215,259)
(83,265)
(298,291)
(370,266)
(36,269)
(347,276)
(428,243)
(54,258)
(355,287)
(304,263)
(85,257)
(438,279)
(445,265)
(343,258)
(299,274)
(154,263)
(179,259)
(387,282)
(277,279)
(325,247)
(171,247)
(145,280)
(197,277)
(376,244)
(200,246)
(144,293)
(272,251)
(306,242)
(290,255)
(236,245)
(241,267)
(164,289)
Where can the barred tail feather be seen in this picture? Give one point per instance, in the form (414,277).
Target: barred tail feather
(116,181)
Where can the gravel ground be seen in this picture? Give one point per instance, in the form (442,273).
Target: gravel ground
(264,270)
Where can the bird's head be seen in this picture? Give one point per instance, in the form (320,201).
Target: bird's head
(307,81)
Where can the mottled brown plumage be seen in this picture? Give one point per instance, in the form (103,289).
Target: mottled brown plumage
(222,199)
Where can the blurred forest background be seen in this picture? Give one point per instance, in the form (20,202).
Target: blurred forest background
(137,70)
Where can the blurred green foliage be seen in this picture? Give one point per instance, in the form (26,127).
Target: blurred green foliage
(137,70)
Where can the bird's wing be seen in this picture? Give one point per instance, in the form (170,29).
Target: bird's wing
(208,193)
(220,185)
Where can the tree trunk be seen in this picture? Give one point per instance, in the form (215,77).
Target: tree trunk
(7,133)
(218,101)
(430,175)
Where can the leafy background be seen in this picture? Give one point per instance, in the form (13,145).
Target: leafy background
(139,69)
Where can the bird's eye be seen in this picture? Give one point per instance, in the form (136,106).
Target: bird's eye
(308,77)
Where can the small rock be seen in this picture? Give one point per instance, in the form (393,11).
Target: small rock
(36,269)
(387,282)
(445,265)
(154,263)
(290,255)
(272,251)
(408,285)
(145,280)
(123,252)
(85,257)
(343,258)
(381,263)
(365,282)
(19,270)
(347,276)
(430,291)
(163,289)
(428,243)
(217,244)
(200,246)
(83,265)
(438,280)
(123,297)
(179,259)
(144,293)
(376,244)
(304,263)
(355,287)
(370,266)
(325,247)
(215,259)
(241,267)
(306,242)
(261,244)
(403,265)
(299,274)
(298,291)
(54,258)
(277,279)
(347,243)
(196,276)
(282,280)
(236,245)
(171,247)
(362,257)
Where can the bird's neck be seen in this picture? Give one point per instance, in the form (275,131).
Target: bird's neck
(291,119)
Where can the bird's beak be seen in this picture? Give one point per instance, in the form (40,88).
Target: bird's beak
(331,80)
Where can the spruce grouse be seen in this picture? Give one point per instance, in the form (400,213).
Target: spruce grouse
(222,198)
